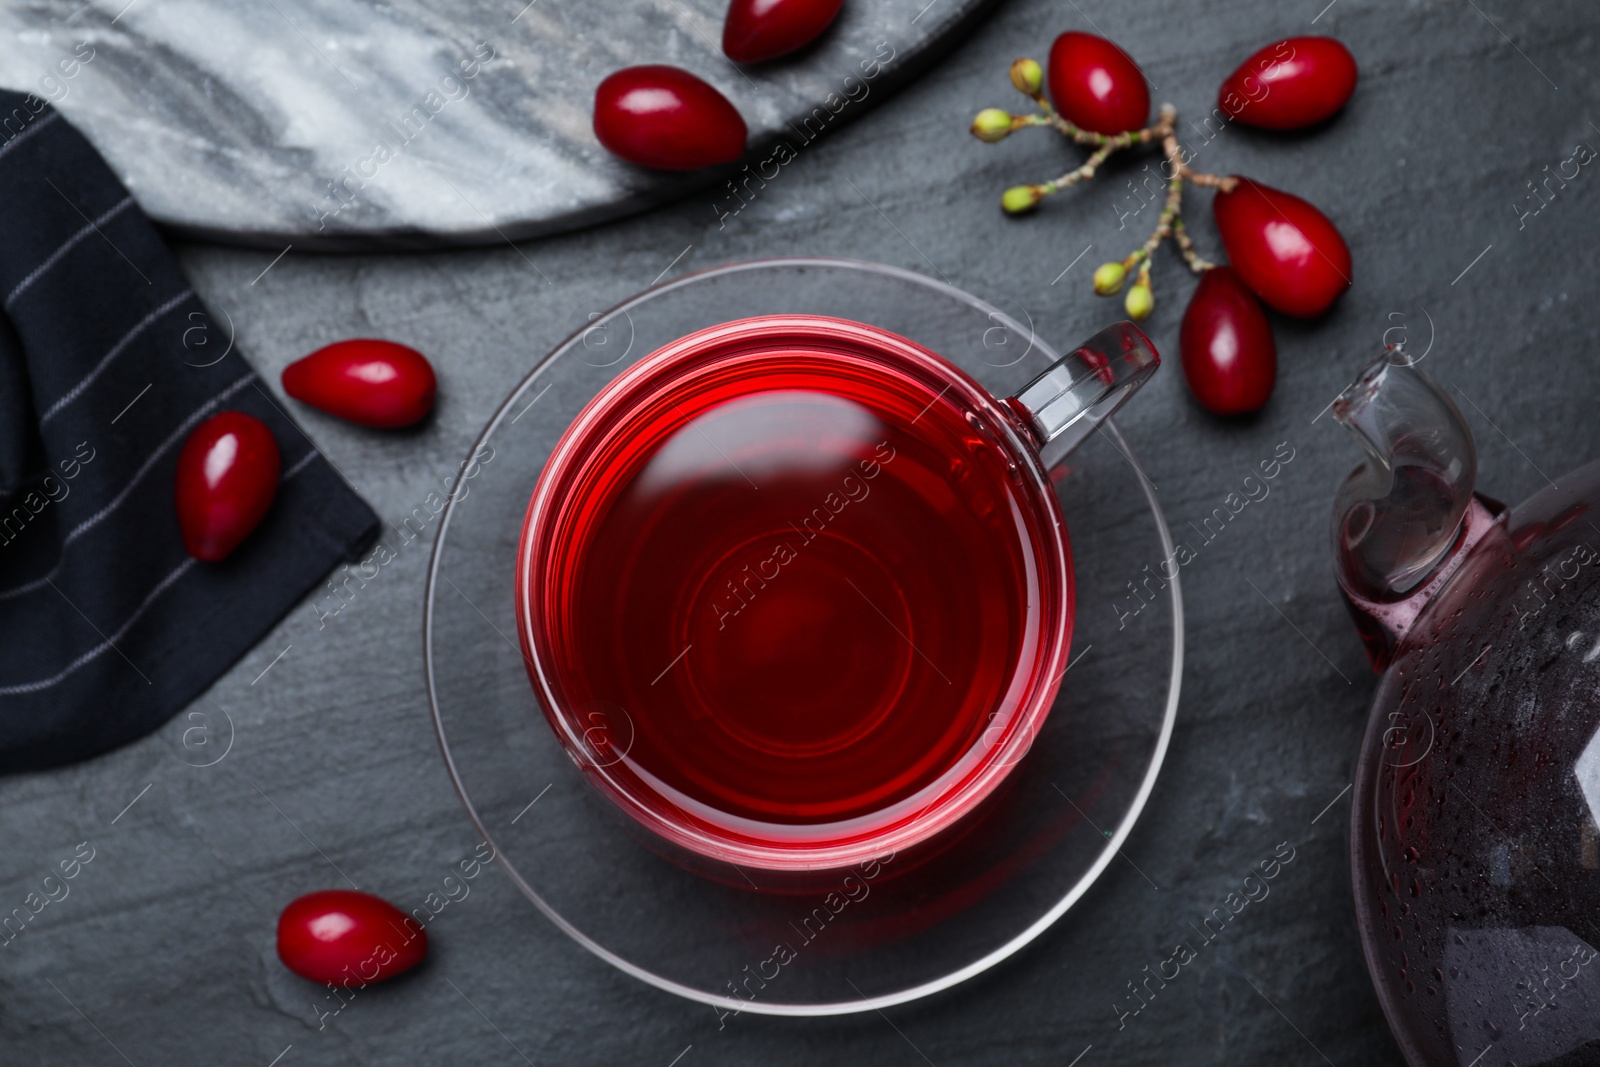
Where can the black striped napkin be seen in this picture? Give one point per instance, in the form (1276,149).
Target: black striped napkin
(107,362)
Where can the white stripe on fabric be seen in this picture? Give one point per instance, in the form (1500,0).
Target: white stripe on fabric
(116,350)
(29,132)
(55,257)
(87,524)
(99,650)
(300,464)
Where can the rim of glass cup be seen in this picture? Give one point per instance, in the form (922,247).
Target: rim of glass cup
(979,771)
(994,956)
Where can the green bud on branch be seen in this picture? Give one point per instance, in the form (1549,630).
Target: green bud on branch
(1139,303)
(1021,198)
(1027,76)
(1108,278)
(992,125)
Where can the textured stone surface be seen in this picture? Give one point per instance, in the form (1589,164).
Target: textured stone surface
(420,122)
(165,943)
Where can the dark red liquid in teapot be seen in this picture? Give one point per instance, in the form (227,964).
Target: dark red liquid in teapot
(811,589)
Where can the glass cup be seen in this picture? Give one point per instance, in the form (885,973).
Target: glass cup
(795,593)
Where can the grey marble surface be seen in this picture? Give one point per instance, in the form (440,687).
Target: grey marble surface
(342,123)
(163,953)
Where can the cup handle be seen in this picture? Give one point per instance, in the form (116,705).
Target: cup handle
(1067,403)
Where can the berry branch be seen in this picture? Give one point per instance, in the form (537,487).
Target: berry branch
(1285,252)
(994,124)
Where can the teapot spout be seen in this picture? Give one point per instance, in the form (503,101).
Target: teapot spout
(1405,519)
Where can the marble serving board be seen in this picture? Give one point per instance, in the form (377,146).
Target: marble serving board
(344,124)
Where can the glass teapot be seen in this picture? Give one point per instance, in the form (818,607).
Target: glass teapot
(1475,851)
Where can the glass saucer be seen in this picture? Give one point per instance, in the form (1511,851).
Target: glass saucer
(881,933)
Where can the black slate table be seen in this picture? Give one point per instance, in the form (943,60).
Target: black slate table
(163,951)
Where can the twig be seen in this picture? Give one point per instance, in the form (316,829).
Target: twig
(991,125)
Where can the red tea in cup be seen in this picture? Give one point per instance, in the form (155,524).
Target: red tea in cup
(795,592)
